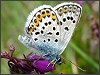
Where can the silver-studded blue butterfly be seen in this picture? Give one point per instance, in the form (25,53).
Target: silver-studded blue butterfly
(48,30)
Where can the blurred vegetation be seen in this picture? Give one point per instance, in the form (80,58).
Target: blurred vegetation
(13,18)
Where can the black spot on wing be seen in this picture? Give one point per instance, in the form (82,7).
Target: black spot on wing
(64,19)
(68,17)
(44,41)
(53,19)
(43,12)
(37,33)
(66,28)
(54,28)
(35,39)
(56,40)
(71,18)
(60,23)
(46,24)
(57,33)
(48,39)
(43,27)
(41,31)
(49,33)
(49,22)
(73,21)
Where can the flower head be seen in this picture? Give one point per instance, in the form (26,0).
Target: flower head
(43,65)
(31,64)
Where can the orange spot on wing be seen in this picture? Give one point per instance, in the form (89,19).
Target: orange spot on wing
(39,17)
(31,29)
(47,13)
(36,22)
(53,16)
(43,14)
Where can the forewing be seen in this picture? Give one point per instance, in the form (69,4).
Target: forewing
(42,27)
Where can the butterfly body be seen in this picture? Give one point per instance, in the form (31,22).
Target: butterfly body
(48,30)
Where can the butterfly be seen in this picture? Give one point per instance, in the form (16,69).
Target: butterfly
(48,29)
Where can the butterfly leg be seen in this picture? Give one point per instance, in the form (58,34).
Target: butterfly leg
(52,62)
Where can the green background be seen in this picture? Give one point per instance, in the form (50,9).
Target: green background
(13,18)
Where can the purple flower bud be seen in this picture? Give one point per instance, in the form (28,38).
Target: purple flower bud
(12,48)
(5,54)
(80,2)
(41,64)
(94,26)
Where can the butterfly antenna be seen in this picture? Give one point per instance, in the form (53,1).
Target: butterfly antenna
(24,56)
(77,66)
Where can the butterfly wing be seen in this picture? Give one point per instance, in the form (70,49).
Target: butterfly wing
(42,30)
(68,14)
